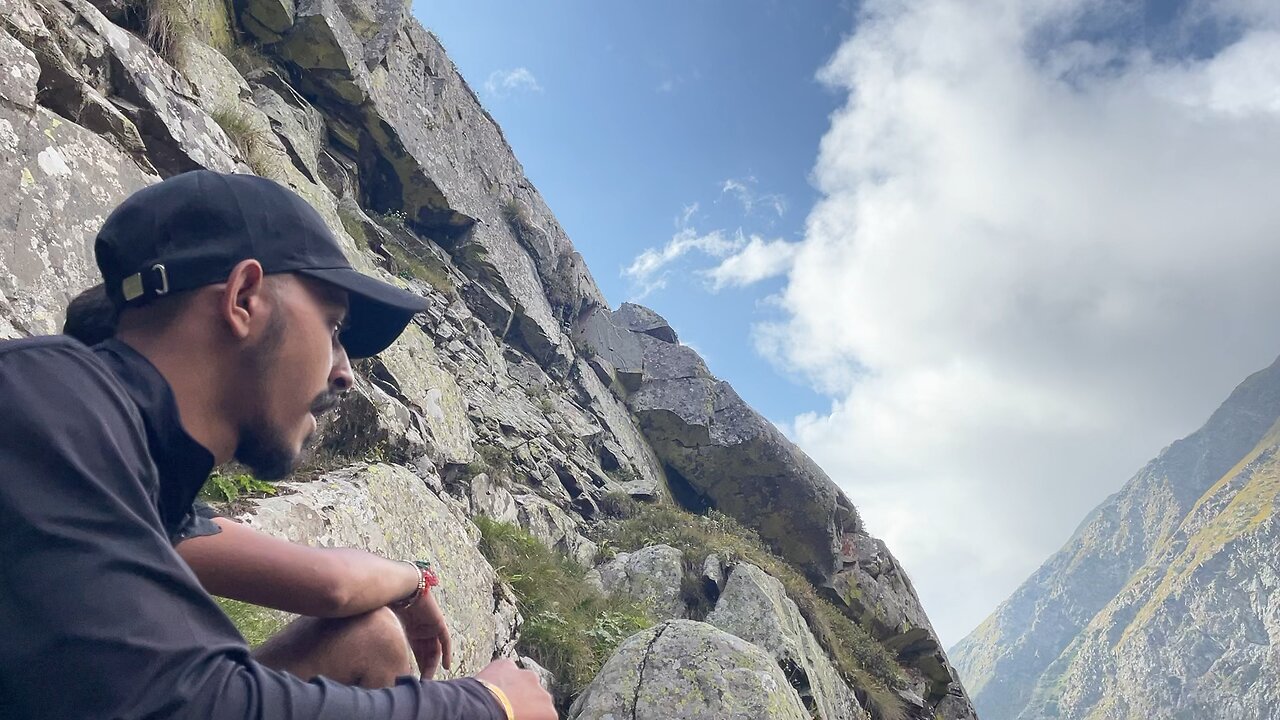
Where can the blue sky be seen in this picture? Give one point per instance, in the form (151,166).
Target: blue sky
(1019,245)
(642,110)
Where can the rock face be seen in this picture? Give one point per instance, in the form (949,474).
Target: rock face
(390,511)
(719,453)
(518,394)
(690,670)
(1162,604)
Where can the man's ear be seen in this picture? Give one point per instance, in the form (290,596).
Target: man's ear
(244,298)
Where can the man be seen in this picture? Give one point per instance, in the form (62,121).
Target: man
(237,313)
(347,632)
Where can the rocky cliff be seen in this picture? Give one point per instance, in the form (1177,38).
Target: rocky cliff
(520,397)
(1163,603)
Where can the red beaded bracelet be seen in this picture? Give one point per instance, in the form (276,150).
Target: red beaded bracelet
(427,579)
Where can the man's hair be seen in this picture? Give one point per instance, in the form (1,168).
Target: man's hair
(91,318)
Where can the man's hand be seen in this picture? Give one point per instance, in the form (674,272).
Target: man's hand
(428,635)
(529,700)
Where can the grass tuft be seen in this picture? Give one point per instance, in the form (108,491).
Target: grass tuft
(168,24)
(254,144)
(870,668)
(570,628)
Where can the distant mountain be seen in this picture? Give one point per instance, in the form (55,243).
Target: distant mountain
(1164,603)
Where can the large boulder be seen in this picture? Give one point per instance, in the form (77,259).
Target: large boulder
(651,575)
(692,671)
(388,510)
(755,607)
(734,460)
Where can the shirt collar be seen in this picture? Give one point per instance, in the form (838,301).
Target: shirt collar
(183,463)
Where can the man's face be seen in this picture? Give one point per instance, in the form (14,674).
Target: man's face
(294,373)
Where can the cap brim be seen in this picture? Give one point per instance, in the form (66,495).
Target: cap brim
(378,311)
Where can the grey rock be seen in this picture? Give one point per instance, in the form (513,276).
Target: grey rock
(651,575)
(322,42)
(545,678)
(755,607)
(880,595)
(688,670)
(415,376)
(268,20)
(597,336)
(300,127)
(376,23)
(641,319)
(738,461)
(554,528)
(218,84)
(492,500)
(57,182)
(713,576)
(179,135)
(389,511)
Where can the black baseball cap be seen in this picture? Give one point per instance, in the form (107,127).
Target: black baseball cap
(192,229)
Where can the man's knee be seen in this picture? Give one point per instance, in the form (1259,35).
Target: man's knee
(380,630)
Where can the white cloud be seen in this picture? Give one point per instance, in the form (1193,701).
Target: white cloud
(648,268)
(502,83)
(745,192)
(1042,254)
(756,260)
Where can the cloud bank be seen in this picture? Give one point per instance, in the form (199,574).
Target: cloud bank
(1047,246)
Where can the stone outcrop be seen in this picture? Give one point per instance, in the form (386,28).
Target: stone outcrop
(720,453)
(690,670)
(388,510)
(651,575)
(755,607)
(518,394)
(1159,606)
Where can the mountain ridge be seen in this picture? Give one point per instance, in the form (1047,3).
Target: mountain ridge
(1015,658)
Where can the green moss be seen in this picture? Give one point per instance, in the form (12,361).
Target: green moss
(232,486)
(570,627)
(863,662)
(255,622)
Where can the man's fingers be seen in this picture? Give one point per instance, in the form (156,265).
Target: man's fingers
(428,652)
(446,648)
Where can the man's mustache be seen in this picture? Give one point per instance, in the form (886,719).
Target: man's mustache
(324,403)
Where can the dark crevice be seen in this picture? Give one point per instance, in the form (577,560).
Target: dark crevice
(685,494)
(644,665)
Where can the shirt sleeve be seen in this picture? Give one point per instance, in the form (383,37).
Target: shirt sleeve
(101,618)
(198,523)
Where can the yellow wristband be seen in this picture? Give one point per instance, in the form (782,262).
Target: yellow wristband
(502,698)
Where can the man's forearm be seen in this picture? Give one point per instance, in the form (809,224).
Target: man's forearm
(248,565)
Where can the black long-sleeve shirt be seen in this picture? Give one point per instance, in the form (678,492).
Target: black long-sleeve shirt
(99,616)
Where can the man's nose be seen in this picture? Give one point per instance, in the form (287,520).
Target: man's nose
(341,377)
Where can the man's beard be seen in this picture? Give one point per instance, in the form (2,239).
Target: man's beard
(264,447)
(265,451)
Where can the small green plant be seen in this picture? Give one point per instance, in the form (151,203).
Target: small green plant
(231,487)
(865,663)
(570,627)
